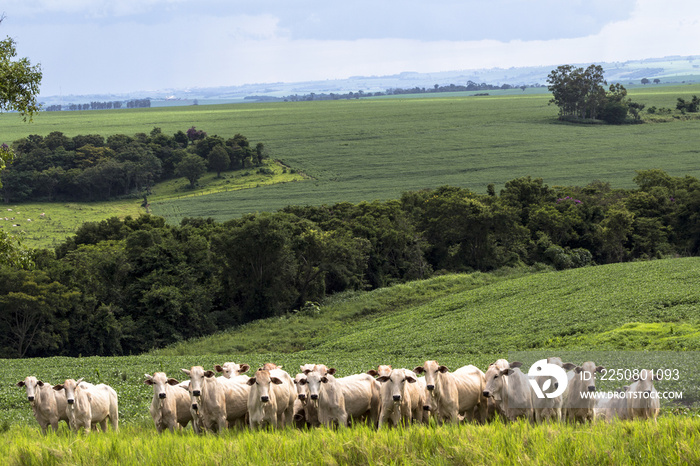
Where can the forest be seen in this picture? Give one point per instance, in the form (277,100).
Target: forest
(91,167)
(140,283)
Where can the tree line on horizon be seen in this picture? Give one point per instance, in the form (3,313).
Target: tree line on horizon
(91,167)
(126,286)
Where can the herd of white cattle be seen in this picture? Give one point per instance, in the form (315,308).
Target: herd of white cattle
(315,397)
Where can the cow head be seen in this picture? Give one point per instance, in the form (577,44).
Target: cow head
(382,370)
(231,369)
(262,379)
(197,376)
(70,386)
(30,384)
(495,383)
(396,383)
(431,369)
(300,384)
(585,373)
(158,381)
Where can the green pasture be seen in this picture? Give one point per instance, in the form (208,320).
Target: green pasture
(455,319)
(370,149)
(670,441)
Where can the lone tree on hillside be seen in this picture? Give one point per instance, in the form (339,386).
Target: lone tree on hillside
(580,94)
(191,167)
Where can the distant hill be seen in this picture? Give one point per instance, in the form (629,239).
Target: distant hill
(672,69)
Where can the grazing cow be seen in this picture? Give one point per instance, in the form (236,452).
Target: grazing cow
(581,379)
(49,406)
(511,389)
(642,397)
(207,399)
(231,370)
(170,407)
(355,397)
(267,406)
(401,400)
(305,413)
(89,405)
(454,394)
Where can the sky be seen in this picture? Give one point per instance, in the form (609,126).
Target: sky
(120,46)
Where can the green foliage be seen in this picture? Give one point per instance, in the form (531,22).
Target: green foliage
(191,167)
(19,81)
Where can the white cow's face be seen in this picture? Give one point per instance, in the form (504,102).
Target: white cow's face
(494,382)
(645,381)
(30,384)
(231,369)
(262,380)
(69,386)
(301,385)
(158,381)
(586,374)
(313,382)
(397,380)
(197,376)
(431,370)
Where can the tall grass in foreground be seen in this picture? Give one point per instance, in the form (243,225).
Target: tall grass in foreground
(674,440)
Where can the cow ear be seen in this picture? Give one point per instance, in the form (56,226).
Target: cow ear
(58,387)
(331,371)
(307,371)
(218,368)
(506,371)
(251,381)
(578,369)
(20,383)
(209,374)
(244,368)
(302,381)
(567,366)
(40,383)
(373,373)
(276,381)
(515,364)
(148,382)
(410,379)
(599,369)
(384,378)
(77,382)
(324,379)
(443,369)
(186,371)
(419,370)
(172,381)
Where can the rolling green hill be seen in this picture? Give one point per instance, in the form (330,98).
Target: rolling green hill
(378,148)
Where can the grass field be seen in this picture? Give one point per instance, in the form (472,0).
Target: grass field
(456,319)
(378,148)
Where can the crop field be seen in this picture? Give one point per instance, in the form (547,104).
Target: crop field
(370,149)
(633,315)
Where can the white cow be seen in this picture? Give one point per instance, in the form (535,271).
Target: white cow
(236,391)
(548,409)
(355,397)
(581,379)
(170,407)
(382,370)
(207,399)
(89,405)
(49,406)
(305,413)
(401,399)
(642,398)
(612,407)
(511,389)
(455,394)
(232,370)
(267,406)
(495,407)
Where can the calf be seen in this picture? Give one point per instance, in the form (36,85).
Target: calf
(89,405)
(207,399)
(455,394)
(49,406)
(576,406)
(511,389)
(170,407)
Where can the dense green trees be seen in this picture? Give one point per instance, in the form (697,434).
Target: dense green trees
(88,167)
(125,286)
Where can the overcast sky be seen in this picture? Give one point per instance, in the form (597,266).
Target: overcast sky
(115,46)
